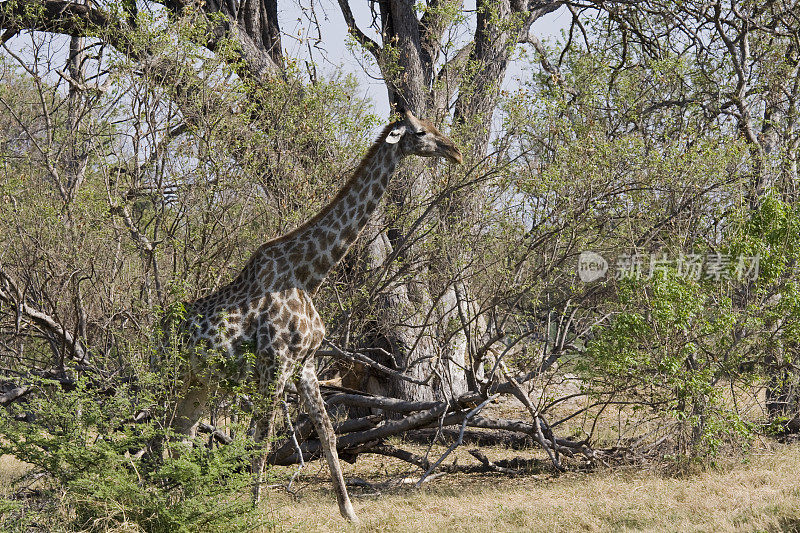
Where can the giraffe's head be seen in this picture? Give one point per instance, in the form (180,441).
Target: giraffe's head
(418,136)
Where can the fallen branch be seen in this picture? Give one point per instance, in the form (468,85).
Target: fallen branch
(399,453)
(550,447)
(380,402)
(458,442)
(362,435)
(498,437)
(313,449)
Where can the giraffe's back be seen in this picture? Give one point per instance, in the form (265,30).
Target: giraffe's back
(241,328)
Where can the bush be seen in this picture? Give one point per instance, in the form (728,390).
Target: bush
(84,442)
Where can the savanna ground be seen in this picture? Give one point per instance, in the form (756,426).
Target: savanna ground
(759,492)
(755,491)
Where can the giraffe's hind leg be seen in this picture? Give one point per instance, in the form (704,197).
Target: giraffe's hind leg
(312,397)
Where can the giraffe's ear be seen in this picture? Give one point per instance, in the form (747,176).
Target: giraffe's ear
(395,134)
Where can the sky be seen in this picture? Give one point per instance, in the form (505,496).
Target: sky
(333,53)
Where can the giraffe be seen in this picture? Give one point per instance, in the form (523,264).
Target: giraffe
(268,309)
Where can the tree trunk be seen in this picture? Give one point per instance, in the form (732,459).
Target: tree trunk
(415,319)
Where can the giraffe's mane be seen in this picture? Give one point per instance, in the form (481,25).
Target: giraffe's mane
(342,191)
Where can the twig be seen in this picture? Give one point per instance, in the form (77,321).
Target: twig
(480,456)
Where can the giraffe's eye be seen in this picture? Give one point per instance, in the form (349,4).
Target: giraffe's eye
(420,133)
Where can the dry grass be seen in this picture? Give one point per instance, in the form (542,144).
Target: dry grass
(762,494)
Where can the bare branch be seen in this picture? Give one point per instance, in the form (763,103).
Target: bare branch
(356,357)
(368,44)
(458,441)
(553,70)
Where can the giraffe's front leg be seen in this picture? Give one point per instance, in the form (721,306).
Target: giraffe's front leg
(315,405)
(189,408)
(182,417)
(271,387)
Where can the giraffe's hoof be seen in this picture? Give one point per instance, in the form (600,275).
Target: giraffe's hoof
(348,513)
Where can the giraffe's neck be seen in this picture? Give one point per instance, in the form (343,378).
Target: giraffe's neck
(317,246)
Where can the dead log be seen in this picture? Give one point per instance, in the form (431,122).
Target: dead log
(379,402)
(216,434)
(499,437)
(305,430)
(361,435)
(399,453)
(311,449)
(15,393)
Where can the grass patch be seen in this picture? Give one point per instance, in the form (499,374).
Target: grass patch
(760,493)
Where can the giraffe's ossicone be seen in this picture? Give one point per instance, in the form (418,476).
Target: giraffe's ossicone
(265,317)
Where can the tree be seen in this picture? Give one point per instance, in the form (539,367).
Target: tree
(735,71)
(422,70)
